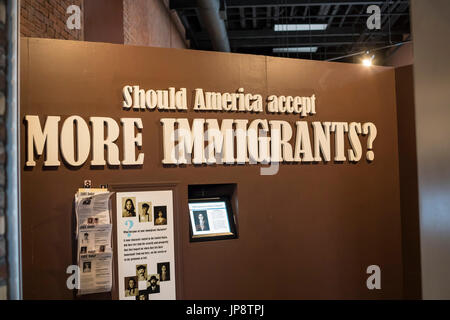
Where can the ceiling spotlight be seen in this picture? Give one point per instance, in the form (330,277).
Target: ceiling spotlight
(368,59)
(367,62)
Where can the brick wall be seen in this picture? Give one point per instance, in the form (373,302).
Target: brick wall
(3,261)
(47,19)
(145,22)
(150,23)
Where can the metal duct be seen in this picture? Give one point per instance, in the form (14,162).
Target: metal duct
(208,11)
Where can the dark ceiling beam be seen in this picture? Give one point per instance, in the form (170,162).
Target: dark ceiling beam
(295,42)
(324,11)
(275,17)
(242,15)
(268,15)
(191,4)
(318,52)
(335,11)
(293,9)
(302,55)
(270,33)
(365,37)
(402,8)
(361,14)
(276,13)
(388,21)
(305,13)
(345,16)
(390,9)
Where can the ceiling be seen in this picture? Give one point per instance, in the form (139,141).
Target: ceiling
(250,26)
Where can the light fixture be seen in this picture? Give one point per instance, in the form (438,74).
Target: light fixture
(295,49)
(367,62)
(367,59)
(300,27)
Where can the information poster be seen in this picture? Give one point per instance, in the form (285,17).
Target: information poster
(145,245)
(94,240)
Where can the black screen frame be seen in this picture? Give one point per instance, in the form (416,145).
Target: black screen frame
(213,237)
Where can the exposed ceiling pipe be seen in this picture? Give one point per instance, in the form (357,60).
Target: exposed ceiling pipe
(209,15)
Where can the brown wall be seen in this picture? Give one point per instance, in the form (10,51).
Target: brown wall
(103,21)
(150,23)
(408,182)
(47,19)
(309,231)
(400,56)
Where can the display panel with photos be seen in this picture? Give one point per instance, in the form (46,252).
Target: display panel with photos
(211,219)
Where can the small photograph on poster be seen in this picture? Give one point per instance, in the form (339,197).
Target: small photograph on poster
(101,248)
(160,214)
(141,272)
(83,250)
(164,271)
(86,266)
(153,284)
(145,209)
(87,201)
(128,207)
(143,295)
(201,220)
(86,239)
(131,289)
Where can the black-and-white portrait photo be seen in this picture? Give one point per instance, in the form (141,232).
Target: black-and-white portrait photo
(86,266)
(201,221)
(141,272)
(131,287)
(142,295)
(160,214)
(128,207)
(164,271)
(85,240)
(153,284)
(145,214)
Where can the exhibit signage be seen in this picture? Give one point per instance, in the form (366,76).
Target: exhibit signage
(145,245)
(232,141)
(193,139)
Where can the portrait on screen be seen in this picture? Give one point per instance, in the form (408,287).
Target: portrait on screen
(201,220)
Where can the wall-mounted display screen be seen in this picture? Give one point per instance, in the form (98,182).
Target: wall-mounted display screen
(211,219)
